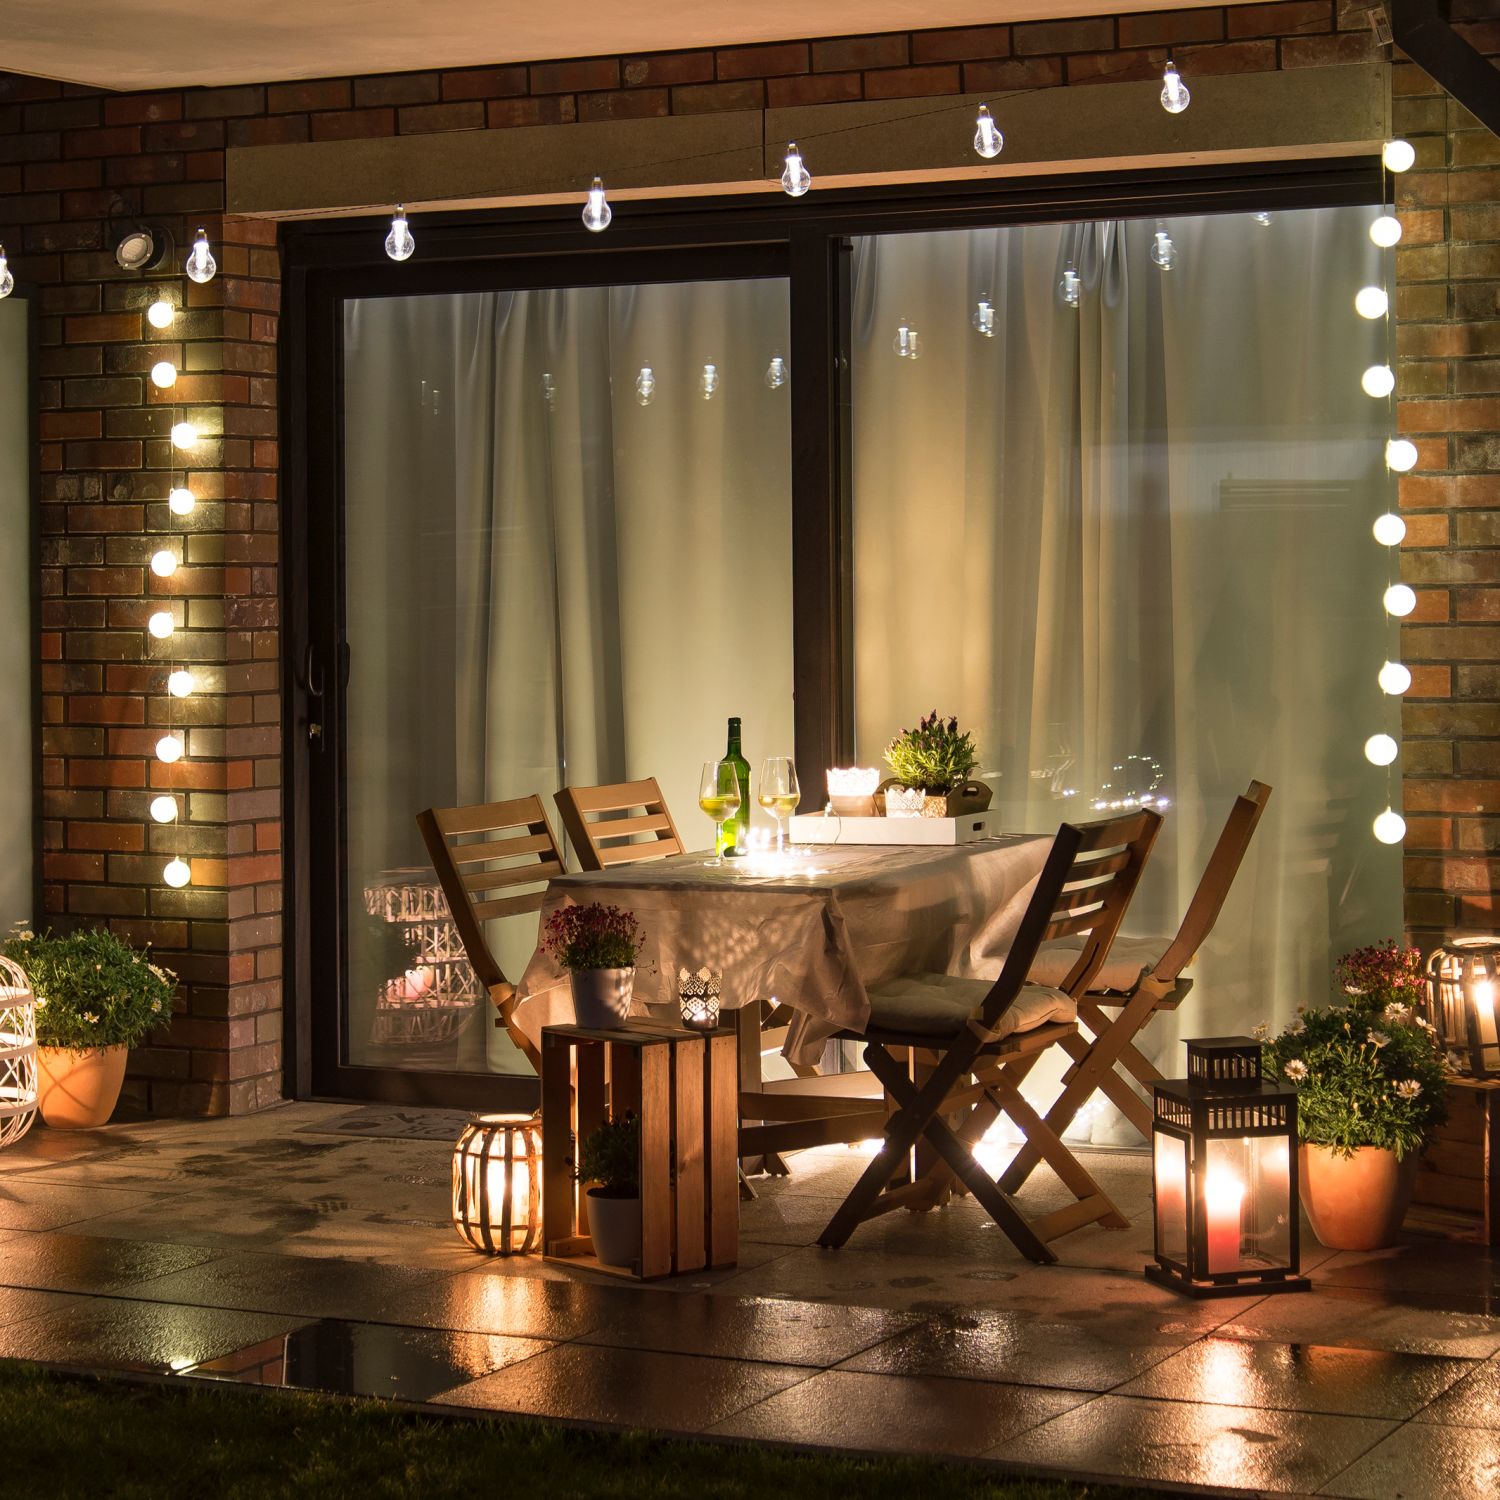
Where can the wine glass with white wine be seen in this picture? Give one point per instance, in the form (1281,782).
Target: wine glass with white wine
(719,797)
(779,793)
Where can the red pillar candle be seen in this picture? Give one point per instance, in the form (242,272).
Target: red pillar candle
(1223,1201)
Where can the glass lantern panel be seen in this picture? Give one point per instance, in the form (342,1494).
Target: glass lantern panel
(1247,1204)
(1169,1174)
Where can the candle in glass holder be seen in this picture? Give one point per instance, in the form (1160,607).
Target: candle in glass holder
(1223,1202)
(851,790)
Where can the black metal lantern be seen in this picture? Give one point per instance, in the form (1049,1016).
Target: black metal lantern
(1462,980)
(1224,1176)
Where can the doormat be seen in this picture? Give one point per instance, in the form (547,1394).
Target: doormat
(394,1122)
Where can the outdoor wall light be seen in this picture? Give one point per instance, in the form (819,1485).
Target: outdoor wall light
(1224,1176)
(1461,994)
(497,1184)
(142,247)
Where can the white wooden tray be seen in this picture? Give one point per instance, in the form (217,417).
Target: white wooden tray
(818,829)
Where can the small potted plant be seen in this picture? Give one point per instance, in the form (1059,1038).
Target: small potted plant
(1371,1084)
(609,1164)
(96,997)
(930,767)
(598,946)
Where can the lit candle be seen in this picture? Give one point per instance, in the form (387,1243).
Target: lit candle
(1224,1197)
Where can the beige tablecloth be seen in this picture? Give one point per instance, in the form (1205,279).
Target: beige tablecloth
(814,931)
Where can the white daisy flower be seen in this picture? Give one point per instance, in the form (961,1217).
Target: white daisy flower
(1296,1026)
(1261,1032)
(1296,1070)
(1377,1039)
(1408,1088)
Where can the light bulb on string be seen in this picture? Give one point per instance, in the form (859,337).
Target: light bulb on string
(400,242)
(776,375)
(1378,381)
(708,382)
(7,280)
(160,313)
(1385,231)
(795,178)
(163,374)
(161,624)
(1070,288)
(1371,302)
(177,873)
(1394,678)
(988,141)
(596,210)
(181,683)
(184,436)
(201,264)
(164,809)
(984,317)
(169,749)
(181,501)
(1398,156)
(164,563)
(1263,219)
(1401,455)
(1389,529)
(1399,600)
(907,343)
(1380,749)
(645,386)
(1390,827)
(1163,251)
(1174,92)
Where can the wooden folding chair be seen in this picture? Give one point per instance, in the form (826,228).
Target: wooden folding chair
(479,852)
(605,823)
(1158,985)
(987,1037)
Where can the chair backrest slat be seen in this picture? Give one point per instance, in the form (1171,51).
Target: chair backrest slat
(596,837)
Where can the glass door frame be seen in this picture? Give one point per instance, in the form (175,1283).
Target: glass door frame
(808,242)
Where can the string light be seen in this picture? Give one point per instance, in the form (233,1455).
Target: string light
(645,386)
(1389,529)
(1378,381)
(1401,455)
(160,313)
(177,873)
(7,280)
(399,243)
(201,264)
(164,374)
(164,563)
(1163,251)
(181,501)
(596,210)
(1371,302)
(161,624)
(1398,156)
(988,141)
(184,436)
(984,317)
(1386,230)
(708,382)
(1380,749)
(1174,92)
(1394,678)
(181,683)
(1400,599)
(1070,288)
(795,178)
(776,373)
(164,809)
(1390,827)
(1263,219)
(906,344)
(169,749)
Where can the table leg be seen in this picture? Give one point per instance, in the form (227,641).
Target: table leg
(747,1024)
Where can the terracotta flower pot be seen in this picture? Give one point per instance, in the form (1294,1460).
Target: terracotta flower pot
(1356,1202)
(601,997)
(615,1228)
(78,1090)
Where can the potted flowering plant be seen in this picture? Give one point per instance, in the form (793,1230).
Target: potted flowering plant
(597,945)
(96,997)
(1371,1083)
(609,1164)
(930,766)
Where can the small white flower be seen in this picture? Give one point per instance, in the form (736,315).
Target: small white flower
(1453,1063)
(91,1018)
(156,1005)
(1296,1026)
(1400,1014)
(1261,1032)
(1296,1070)
(1408,1088)
(1377,1039)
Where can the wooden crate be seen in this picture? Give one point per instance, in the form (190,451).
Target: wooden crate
(1458,1183)
(683,1086)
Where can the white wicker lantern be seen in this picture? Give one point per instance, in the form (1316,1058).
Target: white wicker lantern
(497,1183)
(17,1053)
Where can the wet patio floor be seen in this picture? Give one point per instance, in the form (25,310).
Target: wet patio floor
(280,1249)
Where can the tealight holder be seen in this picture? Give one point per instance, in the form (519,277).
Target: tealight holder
(851,791)
(698,998)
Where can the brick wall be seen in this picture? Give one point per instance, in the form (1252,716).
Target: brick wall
(71,159)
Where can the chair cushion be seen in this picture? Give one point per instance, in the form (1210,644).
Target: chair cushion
(1129,958)
(939,1005)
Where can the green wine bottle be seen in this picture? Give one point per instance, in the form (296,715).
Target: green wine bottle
(732,840)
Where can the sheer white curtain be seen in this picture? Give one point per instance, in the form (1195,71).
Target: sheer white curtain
(1129,541)
(548,581)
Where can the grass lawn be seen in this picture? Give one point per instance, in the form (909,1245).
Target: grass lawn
(66,1436)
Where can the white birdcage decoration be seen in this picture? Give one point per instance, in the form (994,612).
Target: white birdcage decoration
(17,1053)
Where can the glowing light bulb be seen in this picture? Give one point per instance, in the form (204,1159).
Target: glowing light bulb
(163,374)
(708,382)
(181,501)
(1401,455)
(1390,827)
(160,313)
(181,683)
(164,809)
(988,141)
(164,563)
(1070,288)
(984,317)
(1389,530)
(184,435)
(201,264)
(177,873)
(1371,302)
(1378,380)
(907,343)
(1174,92)
(161,624)
(400,243)
(1394,678)
(795,178)
(596,210)
(1386,230)
(169,749)
(1263,219)
(549,391)
(776,373)
(1400,599)
(7,281)
(645,386)
(1163,251)
(1380,749)
(1398,156)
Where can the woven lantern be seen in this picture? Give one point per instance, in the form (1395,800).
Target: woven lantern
(497,1184)
(1463,1002)
(17,1053)
(698,998)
